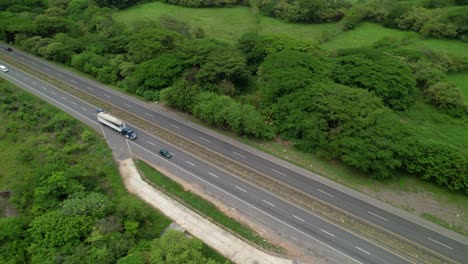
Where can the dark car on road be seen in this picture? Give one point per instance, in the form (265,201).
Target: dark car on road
(165,153)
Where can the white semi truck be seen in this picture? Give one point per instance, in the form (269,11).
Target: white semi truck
(116,124)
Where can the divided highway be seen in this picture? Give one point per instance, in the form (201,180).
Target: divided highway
(450,248)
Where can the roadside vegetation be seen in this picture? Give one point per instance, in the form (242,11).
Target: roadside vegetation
(63,199)
(200,205)
(384,108)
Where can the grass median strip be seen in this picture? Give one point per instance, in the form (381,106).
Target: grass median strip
(201,206)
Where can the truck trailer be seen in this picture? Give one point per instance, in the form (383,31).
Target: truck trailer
(116,124)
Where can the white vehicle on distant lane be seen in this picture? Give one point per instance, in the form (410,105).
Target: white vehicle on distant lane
(3,68)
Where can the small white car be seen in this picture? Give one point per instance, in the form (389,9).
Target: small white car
(3,68)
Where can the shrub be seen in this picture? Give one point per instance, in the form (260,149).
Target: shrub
(447,97)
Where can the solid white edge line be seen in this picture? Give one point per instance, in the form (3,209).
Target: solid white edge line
(242,201)
(240,188)
(279,172)
(239,154)
(328,233)
(214,175)
(297,217)
(368,253)
(377,215)
(324,192)
(433,240)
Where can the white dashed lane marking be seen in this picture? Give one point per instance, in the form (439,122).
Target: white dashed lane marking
(190,163)
(212,174)
(241,189)
(127,105)
(328,233)
(151,143)
(435,241)
(239,155)
(205,139)
(377,215)
(363,250)
(73,81)
(300,219)
(324,192)
(269,203)
(174,126)
(279,172)
(149,114)
(106,95)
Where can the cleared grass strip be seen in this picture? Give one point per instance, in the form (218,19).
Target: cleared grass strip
(201,206)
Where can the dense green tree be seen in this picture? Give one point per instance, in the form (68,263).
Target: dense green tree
(95,205)
(13,239)
(439,163)
(174,247)
(148,42)
(157,73)
(288,71)
(378,72)
(53,234)
(180,95)
(341,122)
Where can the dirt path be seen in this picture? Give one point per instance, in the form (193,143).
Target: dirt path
(227,244)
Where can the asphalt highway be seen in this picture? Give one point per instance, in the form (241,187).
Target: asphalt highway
(448,247)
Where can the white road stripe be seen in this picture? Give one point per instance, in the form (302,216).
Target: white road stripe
(324,192)
(34,83)
(25,78)
(279,172)
(90,88)
(363,250)
(73,103)
(269,203)
(106,95)
(205,139)
(328,233)
(54,93)
(433,240)
(239,155)
(241,189)
(256,208)
(22,58)
(149,114)
(377,215)
(299,218)
(59,74)
(43,87)
(190,163)
(73,81)
(84,108)
(47,69)
(33,63)
(174,126)
(151,143)
(127,105)
(214,175)
(63,98)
